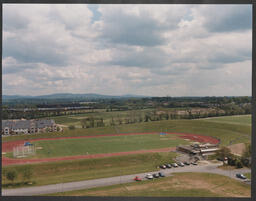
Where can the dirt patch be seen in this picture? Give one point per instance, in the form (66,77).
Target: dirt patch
(237,149)
(227,167)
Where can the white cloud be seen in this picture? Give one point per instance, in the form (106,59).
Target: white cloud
(153,50)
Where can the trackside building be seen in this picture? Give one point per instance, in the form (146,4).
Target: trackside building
(199,149)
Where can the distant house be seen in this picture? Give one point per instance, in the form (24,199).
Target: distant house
(23,126)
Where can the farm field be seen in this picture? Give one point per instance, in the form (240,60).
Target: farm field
(68,120)
(109,144)
(179,185)
(75,119)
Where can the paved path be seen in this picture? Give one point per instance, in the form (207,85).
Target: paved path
(55,188)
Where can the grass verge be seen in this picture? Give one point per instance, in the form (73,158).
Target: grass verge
(78,170)
(179,185)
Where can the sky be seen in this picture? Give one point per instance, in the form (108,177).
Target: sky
(152,50)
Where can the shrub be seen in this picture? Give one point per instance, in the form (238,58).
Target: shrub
(27,174)
(245,162)
(11,175)
(239,164)
(71,127)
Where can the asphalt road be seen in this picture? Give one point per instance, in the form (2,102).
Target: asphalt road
(55,188)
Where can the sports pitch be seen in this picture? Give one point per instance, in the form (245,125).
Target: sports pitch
(110,144)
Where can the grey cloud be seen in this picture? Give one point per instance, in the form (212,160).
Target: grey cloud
(223,18)
(147,81)
(132,30)
(229,58)
(33,51)
(148,58)
(9,69)
(13,20)
(174,70)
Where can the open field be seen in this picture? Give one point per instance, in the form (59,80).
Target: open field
(77,170)
(179,185)
(237,119)
(110,144)
(75,119)
(238,133)
(107,116)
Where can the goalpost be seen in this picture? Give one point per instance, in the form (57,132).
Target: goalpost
(22,151)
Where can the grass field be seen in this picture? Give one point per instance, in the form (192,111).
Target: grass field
(77,170)
(239,119)
(227,132)
(107,116)
(112,144)
(67,171)
(179,185)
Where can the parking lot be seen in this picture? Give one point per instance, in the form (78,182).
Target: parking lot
(201,166)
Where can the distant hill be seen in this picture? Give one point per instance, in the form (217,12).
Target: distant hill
(68,96)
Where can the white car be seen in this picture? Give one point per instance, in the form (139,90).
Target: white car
(149,176)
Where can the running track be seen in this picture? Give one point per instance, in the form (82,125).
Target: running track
(8,146)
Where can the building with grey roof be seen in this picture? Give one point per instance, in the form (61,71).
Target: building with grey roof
(23,126)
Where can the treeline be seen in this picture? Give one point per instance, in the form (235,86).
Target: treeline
(235,160)
(37,114)
(230,106)
(155,115)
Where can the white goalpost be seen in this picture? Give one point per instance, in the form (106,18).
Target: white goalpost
(22,151)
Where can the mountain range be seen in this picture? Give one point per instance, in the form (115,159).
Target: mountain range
(69,96)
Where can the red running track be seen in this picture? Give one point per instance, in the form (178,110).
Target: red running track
(8,146)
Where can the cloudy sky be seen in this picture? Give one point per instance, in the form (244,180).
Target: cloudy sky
(154,50)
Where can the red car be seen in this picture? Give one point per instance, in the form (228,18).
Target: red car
(137,178)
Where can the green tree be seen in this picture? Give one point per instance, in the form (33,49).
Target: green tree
(223,153)
(4,172)
(83,122)
(27,174)
(71,127)
(248,151)
(11,175)
(239,164)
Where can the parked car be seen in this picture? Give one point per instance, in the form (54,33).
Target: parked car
(155,175)
(241,176)
(149,176)
(194,163)
(161,174)
(180,164)
(174,165)
(137,178)
(187,163)
(163,166)
(168,165)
